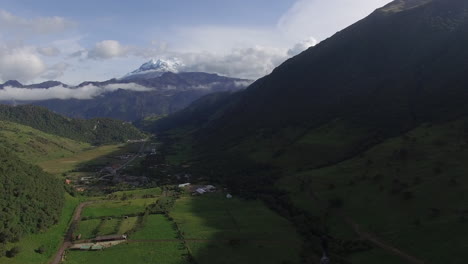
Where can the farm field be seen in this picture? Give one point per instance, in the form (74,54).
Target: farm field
(141,253)
(155,227)
(127,225)
(88,228)
(235,231)
(117,208)
(141,193)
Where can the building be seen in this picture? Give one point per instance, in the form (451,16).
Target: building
(184,185)
(110,238)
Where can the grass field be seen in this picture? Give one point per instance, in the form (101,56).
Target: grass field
(109,227)
(240,231)
(62,165)
(155,227)
(138,193)
(117,208)
(50,239)
(138,253)
(35,146)
(88,228)
(400,183)
(127,225)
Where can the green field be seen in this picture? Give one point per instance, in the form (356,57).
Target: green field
(88,228)
(127,225)
(117,208)
(138,253)
(62,165)
(155,227)
(142,193)
(34,146)
(235,231)
(109,227)
(50,239)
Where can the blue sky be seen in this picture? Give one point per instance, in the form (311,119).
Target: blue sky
(73,41)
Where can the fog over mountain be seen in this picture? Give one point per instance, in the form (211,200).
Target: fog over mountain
(158,87)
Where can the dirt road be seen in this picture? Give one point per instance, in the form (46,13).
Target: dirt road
(385,246)
(372,237)
(67,242)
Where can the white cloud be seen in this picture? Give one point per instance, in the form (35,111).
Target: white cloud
(60,92)
(39,25)
(20,64)
(222,39)
(301,46)
(322,19)
(251,52)
(249,63)
(236,51)
(55,71)
(107,49)
(48,51)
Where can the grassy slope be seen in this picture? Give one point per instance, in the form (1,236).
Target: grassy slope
(35,146)
(400,183)
(51,239)
(66,164)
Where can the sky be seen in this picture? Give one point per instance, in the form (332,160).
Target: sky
(96,40)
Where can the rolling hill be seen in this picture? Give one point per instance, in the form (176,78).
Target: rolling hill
(95,131)
(33,146)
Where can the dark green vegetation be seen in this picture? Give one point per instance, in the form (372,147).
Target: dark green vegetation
(31,200)
(33,216)
(364,133)
(95,131)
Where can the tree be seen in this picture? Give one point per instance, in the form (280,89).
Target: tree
(2,250)
(41,249)
(13,252)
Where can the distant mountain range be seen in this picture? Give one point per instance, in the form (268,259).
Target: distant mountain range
(162,89)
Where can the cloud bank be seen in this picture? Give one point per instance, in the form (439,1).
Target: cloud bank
(108,49)
(60,92)
(20,64)
(39,25)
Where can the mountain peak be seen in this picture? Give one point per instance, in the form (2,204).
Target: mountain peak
(12,83)
(162,65)
(155,68)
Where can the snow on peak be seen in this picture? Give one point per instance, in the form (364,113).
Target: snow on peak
(160,65)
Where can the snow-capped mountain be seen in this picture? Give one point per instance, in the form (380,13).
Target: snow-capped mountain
(155,68)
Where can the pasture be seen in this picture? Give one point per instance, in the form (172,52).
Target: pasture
(220,230)
(117,208)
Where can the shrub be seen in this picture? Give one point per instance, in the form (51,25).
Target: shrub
(41,249)
(13,252)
